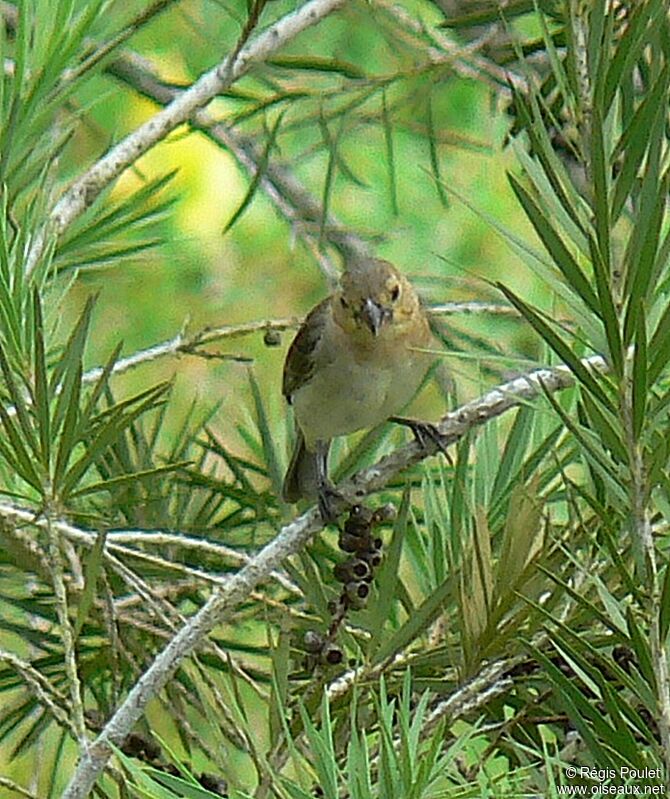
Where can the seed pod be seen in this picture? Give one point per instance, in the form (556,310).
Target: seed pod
(352,543)
(359,521)
(360,569)
(332,654)
(272,338)
(357,593)
(373,557)
(387,513)
(342,572)
(352,569)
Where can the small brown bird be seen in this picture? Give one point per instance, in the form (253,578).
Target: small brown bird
(356,361)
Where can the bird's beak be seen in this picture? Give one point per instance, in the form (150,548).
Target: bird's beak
(374,315)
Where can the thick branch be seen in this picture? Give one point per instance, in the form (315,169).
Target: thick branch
(289,541)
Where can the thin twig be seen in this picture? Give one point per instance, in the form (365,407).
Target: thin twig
(5,782)
(490,682)
(101,51)
(203,545)
(15,515)
(67,633)
(182,344)
(471,308)
(464,61)
(188,345)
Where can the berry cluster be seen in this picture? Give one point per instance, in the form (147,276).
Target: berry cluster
(356,574)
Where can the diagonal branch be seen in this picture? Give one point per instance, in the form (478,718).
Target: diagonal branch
(86,188)
(289,541)
(457,423)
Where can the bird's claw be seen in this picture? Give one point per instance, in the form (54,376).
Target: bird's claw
(328,497)
(424,432)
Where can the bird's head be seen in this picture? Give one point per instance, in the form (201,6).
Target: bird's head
(374,298)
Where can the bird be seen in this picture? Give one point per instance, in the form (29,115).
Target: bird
(357,360)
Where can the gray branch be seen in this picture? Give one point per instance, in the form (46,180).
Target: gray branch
(181,344)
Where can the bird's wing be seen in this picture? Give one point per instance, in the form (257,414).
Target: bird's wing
(300,360)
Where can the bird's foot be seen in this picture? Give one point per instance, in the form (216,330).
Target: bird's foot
(424,432)
(329,497)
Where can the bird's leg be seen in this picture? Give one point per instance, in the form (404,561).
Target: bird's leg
(423,433)
(327,492)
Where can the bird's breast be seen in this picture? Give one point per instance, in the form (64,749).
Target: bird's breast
(352,389)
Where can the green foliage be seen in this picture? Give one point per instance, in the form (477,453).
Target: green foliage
(523,599)
(36,92)
(54,435)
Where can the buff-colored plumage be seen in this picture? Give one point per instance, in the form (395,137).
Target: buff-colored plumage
(356,361)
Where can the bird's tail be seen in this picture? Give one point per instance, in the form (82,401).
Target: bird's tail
(301,480)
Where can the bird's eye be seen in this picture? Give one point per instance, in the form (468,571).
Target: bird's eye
(395,293)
